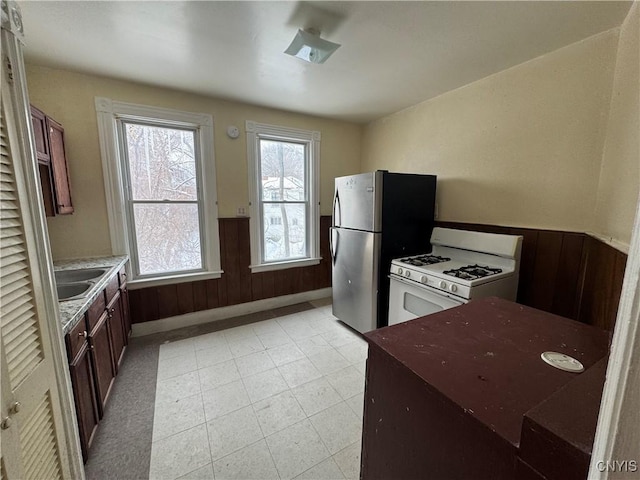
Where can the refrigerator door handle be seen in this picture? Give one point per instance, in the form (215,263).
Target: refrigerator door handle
(333,249)
(337,215)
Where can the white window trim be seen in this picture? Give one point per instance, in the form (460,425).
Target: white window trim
(108,112)
(254,130)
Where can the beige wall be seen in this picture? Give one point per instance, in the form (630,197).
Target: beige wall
(620,174)
(522,147)
(69,98)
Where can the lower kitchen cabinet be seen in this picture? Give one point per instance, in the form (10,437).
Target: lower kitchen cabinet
(95,348)
(83,384)
(100,340)
(117,329)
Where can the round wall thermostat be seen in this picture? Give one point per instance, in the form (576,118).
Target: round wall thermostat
(233,131)
(563,362)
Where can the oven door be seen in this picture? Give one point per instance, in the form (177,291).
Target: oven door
(408,301)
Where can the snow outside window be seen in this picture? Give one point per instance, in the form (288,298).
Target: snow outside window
(284,196)
(162,198)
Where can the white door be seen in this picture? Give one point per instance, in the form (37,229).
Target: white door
(32,428)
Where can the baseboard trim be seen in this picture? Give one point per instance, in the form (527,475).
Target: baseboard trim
(215,314)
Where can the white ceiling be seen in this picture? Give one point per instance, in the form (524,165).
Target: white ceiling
(393,54)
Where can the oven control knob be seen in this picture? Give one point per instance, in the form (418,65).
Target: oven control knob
(400,271)
(424,279)
(453,288)
(407,274)
(443,284)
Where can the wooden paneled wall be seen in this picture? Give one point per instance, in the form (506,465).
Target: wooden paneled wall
(601,283)
(570,274)
(237,284)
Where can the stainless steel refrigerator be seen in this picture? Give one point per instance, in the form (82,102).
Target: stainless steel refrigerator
(377,216)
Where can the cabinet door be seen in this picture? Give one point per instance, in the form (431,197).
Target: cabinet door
(126,313)
(116,327)
(38,119)
(124,300)
(102,358)
(46,182)
(59,167)
(84,394)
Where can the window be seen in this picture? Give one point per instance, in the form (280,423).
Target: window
(160,178)
(283,179)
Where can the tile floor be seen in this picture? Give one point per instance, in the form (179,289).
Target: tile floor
(276,399)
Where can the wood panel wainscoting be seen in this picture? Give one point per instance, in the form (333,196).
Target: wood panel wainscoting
(570,274)
(573,275)
(237,284)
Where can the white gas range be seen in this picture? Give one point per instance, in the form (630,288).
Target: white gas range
(463,265)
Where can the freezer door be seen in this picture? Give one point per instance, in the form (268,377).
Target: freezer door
(357,202)
(356,258)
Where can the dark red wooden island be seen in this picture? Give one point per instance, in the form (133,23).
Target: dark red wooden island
(464,394)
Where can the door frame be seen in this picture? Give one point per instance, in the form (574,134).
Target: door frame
(36,228)
(617,434)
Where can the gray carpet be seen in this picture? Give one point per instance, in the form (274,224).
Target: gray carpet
(121,448)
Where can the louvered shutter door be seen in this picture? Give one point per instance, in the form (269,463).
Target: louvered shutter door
(20,339)
(22,347)
(39,445)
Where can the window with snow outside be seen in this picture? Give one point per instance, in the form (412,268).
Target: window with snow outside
(284,202)
(284,195)
(162,196)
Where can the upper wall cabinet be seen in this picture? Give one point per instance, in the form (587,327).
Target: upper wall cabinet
(52,164)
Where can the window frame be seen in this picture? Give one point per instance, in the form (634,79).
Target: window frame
(111,114)
(311,139)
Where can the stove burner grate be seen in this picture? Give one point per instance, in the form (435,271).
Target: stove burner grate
(472,272)
(422,260)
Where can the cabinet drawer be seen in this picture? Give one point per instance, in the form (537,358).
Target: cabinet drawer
(112,288)
(95,311)
(76,338)
(122,275)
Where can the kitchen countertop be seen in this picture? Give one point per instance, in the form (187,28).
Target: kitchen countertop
(485,356)
(558,434)
(71,311)
(469,383)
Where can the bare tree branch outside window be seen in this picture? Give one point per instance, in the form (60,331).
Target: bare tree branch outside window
(284,199)
(164,196)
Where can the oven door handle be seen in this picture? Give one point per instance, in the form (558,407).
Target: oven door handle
(406,282)
(429,289)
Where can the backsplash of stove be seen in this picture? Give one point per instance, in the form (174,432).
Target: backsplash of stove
(570,274)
